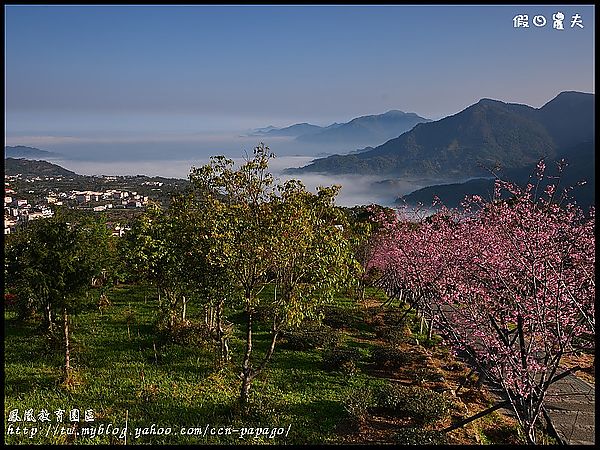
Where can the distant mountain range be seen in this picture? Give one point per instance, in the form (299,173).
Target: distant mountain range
(21,151)
(359,132)
(366,130)
(296,130)
(33,168)
(488,133)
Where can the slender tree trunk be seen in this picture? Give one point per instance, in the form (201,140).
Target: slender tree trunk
(225,349)
(245,391)
(249,374)
(522,342)
(67,346)
(171,302)
(223,340)
(48,314)
(208,317)
(530,433)
(184,302)
(246,374)
(269,354)
(401,320)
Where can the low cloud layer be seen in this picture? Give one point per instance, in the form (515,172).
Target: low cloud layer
(356,190)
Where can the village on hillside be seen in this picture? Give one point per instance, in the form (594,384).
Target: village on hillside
(32,197)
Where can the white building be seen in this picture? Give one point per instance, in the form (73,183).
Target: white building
(82,197)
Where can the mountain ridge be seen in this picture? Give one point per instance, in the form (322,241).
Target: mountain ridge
(366,130)
(31,167)
(22,151)
(487,133)
(580,167)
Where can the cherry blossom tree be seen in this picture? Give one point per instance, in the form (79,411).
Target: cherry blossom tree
(511,281)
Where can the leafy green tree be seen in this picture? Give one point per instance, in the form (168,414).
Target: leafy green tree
(263,235)
(360,233)
(241,237)
(313,257)
(155,253)
(204,280)
(169,248)
(50,265)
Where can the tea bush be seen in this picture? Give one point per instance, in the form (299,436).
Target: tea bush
(341,359)
(311,336)
(393,358)
(393,334)
(357,404)
(423,405)
(188,333)
(424,374)
(339,317)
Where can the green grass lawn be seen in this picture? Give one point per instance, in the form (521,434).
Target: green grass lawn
(125,372)
(169,393)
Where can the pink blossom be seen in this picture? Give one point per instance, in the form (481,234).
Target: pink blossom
(501,270)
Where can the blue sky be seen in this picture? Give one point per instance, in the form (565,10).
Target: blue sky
(118,71)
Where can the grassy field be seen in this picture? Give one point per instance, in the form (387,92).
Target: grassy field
(163,391)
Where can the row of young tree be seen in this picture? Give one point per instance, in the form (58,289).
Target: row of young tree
(221,244)
(510,282)
(235,233)
(50,266)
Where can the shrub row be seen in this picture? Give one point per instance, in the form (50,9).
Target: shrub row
(342,359)
(393,358)
(340,317)
(393,334)
(188,333)
(311,336)
(423,405)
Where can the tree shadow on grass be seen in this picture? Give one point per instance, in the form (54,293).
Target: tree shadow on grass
(321,417)
(17,386)
(16,328)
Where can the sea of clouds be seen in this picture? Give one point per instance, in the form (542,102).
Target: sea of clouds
(173,156)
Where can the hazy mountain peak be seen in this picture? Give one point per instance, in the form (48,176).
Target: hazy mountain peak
(369,130)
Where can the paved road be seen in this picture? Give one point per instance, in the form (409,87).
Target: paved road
(571,404)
